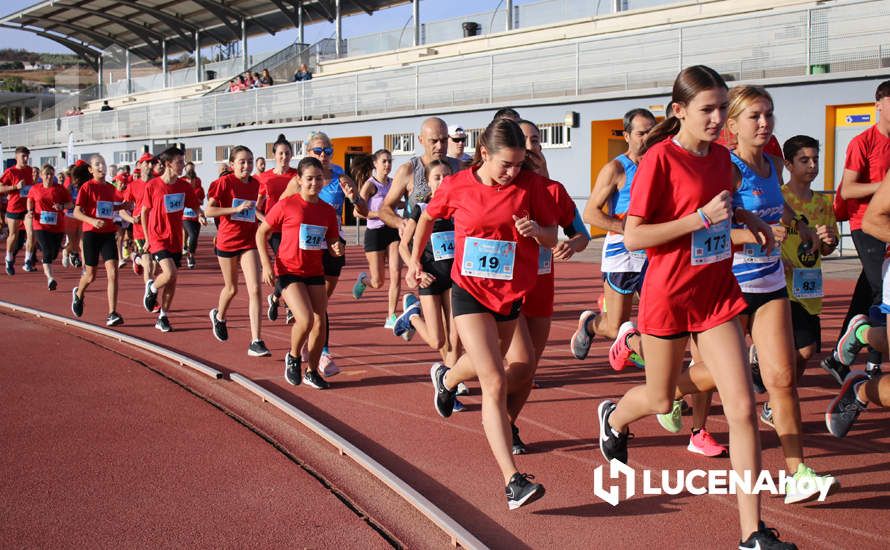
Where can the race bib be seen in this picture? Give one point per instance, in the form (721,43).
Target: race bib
(312,236)
(189,213)
(711,245)
(248,215)
(104,210)
(23,192)
(442,244)
(545,260)
(48,217)
(174,202)
(807,283)
(756,254)
(488,258)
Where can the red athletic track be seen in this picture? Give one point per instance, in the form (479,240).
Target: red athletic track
(383,403)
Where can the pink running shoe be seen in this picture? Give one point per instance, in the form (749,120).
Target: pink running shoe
(703,444)
(619,352)
(327,365)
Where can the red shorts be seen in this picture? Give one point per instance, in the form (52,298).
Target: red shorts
(539,301)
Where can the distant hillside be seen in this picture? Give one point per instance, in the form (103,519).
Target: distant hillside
(57,59)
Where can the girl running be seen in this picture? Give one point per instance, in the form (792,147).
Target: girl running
(142,263)
(272,185)
(96,203)
(73,230)
(502,214)
(192,219)
(304,222)
(16,183)
(46,206)
(679,212)
(381,241)
(232,199)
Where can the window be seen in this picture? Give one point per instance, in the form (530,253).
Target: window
(296,147)
(194,154)
(223,152)
(399,143)
(555,134)
(125,157)
(472,139)
(52,161)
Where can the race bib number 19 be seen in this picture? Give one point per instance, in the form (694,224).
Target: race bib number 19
(312,236)
(711,245)
(488,258)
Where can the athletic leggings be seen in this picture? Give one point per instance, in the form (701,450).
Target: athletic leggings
(192,230)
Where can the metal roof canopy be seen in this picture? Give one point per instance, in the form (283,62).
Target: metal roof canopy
(149,28)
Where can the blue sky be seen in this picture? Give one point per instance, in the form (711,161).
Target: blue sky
(357,25)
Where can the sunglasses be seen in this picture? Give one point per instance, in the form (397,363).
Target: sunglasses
(326,150)
(459,140)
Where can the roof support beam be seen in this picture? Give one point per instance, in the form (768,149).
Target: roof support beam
(141,31)
(291,15)
(182,28)
(230,16)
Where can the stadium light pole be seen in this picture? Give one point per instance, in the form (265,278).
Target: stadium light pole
(301,39)
(197,57)
(164,60)
(339,27)
(509,15)
(415,11)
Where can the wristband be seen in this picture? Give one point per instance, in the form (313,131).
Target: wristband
(704,218)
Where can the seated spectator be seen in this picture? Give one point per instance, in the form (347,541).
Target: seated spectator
(266,79)
(233,86)
(303,73)
(106,106)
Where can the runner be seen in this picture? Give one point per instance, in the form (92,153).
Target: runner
(124,225)
(163,202)
(338,188)
(46,207)
(679,212)
(16,183)
(272,184)
(381,241)
(73,230)
(537,306)
(866,164)
(232,199)
(142,262)
(304,222)
(192,220)
(457,141)
(96,203)
(501,216)
(622,270)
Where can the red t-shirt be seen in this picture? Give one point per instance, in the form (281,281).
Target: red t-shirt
(539,302)
(305,228)
(192,213)
(273,185)
(240,233)
(96,199)
(166,204)
(868,154)
(678,296)
(134,193)
(486,212)
(44,199)
(18,199)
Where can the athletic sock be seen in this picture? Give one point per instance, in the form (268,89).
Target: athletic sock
(9,257)
(861,334)
(29,256)
(856,392)
(695,431)
(153,288)
(162,313)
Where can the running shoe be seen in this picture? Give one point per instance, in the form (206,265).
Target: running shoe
(52,284)
(580,342)
(806,484)
(849,345)
(75,260)
(635,361)
(519,447)
(619,352)
(403,326)
(289,317)
(315,380)
(765,538)
(156,309)
(121,263)
(611,445)
(520,491)
(390,321)
(137,265)
(672,421)
(835,368)
(756,378)
(10,267)
(163,324)
(462,389)
(443,398)
(218,326)
(64,259)
(359,287)
(258,348)
(292,369)
(703,443)
(114,319)
(190,262)
(844,409)
(29,266)
(149,299)
(458,406)
(272,309)
(76,303)
(327,365)
(872,369)
(766,415)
